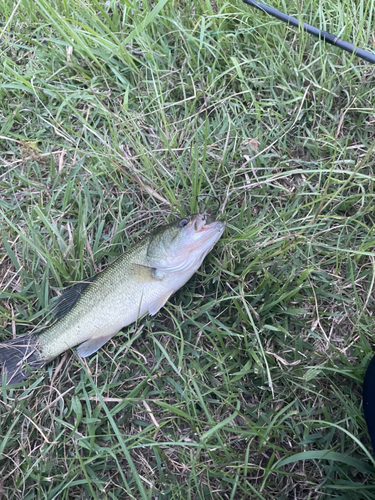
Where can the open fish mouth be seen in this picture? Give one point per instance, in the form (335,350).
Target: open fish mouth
(206,222)
(208,210)
(202,232)
(210,216)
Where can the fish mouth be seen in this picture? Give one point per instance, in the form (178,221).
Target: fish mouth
(210,216)
(207,222)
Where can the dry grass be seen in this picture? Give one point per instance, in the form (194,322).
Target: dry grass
(248,383)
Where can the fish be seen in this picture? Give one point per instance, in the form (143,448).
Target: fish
(138,282)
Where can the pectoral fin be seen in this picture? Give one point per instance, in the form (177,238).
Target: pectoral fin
(159,302)
(92,345)
(143,274)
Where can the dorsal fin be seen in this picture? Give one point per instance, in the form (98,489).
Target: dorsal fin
(67,300)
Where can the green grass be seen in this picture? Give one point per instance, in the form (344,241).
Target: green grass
(248,383)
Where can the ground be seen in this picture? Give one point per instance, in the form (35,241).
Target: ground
(114,117)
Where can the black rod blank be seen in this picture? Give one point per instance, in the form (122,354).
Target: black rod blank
(327,37)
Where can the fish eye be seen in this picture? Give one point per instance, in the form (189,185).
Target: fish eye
(182,222)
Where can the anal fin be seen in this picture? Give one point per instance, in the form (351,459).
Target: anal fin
(92,345)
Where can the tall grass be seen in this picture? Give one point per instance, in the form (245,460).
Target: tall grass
(248,383)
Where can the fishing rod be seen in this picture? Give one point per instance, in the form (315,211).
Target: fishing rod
(327,37)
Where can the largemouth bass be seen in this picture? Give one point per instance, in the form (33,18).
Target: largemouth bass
(140,281)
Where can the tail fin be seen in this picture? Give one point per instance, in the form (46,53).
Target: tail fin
(19,357)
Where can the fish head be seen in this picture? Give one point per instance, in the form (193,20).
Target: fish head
(182,245)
